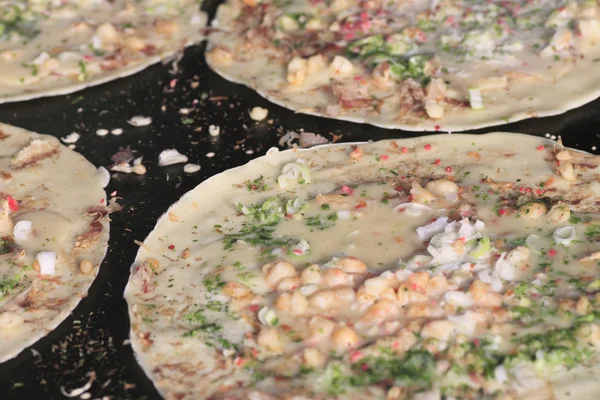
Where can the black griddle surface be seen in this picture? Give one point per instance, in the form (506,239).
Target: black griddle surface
(93,340)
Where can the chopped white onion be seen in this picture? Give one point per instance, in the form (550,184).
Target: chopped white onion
(344,214)
(500,374)
(475,99)
(533,242)
(428,231)
(266,316)
(171,156)
(191,168)
(466,322)
(459,299)
(452,197)
(413,209)
(71,137)
(139,120)
(22,230)
(418,261)
(294,172)
(47,260)
(403,274)
(505,269)
(564,235)
(307,290)
(259,113)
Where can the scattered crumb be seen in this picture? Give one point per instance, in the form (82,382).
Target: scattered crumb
(214,130)
(210,155)
(140,120)
(191,168)
(171,156)
(71,138)
(102,132)
(259,113)
(184,111)
(593,148)
(117,131)
(250,151)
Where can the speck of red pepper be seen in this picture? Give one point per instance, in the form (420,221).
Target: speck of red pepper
(502,211)
(437,127)
(12,203)
(448,169)
(172,247)
(355,356)
(437,162)
(427,146)
(347,189)
(552,252)
(254,308)
(539,192)
(298,252)
(384,157)
(364,367)
(541,147)
(476,342)
(521,189)
(404,150)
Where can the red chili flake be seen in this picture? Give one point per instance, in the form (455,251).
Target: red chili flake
(239,361)
(288,216)
(364,367)
(355,356)
(502,211)
(286,328)
(476,342)
(12,203)
(297,252)
(528,190)
(521,189)
(427,146)
(417,288)
(254,308)
(448,169)
(254,352)
(384,157)
(362,204)
(172,83)
(437,162)
(102,201)
(539,192)
(541,147)
(437,127)
(172,247)
(404,149)
(347,189)
(552,252)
